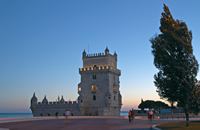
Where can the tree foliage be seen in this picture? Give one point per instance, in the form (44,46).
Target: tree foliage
(150,104)
(173,57)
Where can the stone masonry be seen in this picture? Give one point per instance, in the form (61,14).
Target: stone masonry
(98,90)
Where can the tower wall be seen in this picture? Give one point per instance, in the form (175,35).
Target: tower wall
(51,108)
(100,71)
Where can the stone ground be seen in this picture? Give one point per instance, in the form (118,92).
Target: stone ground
(89,123)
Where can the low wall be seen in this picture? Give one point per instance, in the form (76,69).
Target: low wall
(175,115)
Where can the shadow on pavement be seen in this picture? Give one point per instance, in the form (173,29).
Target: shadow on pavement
(137,129)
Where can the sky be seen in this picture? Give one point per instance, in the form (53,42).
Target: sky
(41,45)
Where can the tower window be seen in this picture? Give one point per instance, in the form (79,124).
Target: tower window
(94,97)
(95,67)
(109,97)
(114,97)
(81,100)
(79,89)
(94,87)
(115,87)
(94,76)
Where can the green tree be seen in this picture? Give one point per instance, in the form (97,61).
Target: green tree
(150,104)
(173,57)
(160,105)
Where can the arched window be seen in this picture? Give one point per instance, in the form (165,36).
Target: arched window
(94,97)
(95,67)
(115,87)
(94,87)
(114,97)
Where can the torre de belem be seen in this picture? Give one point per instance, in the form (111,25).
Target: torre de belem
(98,90)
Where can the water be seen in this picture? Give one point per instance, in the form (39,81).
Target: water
(10,115)
(124,113)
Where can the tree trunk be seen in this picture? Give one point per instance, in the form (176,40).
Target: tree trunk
(187,112)
(187,115)
(187,119)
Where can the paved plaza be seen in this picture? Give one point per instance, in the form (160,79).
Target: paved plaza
(84,123)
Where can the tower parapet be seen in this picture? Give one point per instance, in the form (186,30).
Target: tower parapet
(100,69)
(100,59)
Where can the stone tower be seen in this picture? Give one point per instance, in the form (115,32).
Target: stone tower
(99,87)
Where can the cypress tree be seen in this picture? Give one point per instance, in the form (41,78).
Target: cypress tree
(178,67)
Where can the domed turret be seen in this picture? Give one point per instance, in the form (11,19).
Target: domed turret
(106,51)
(33,103)
(84,54)
(33,100)
(45,101)
(62,100)
(115,55)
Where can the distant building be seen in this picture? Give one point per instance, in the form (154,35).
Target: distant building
(98,90)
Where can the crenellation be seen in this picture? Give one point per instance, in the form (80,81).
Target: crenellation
(100,69)
(94,55)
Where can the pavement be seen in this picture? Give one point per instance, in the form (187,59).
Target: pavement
(81,123)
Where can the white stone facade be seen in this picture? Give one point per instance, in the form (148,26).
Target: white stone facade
(98,90)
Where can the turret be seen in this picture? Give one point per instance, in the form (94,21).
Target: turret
(84,54)
(62,100)
(45,101)
(106,51)
(115,55)
(33,103)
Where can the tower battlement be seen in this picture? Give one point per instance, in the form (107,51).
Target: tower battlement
(100,69)
(100,55)
(99,59)
(58,104)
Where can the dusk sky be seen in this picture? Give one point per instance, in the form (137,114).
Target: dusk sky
(41,45)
